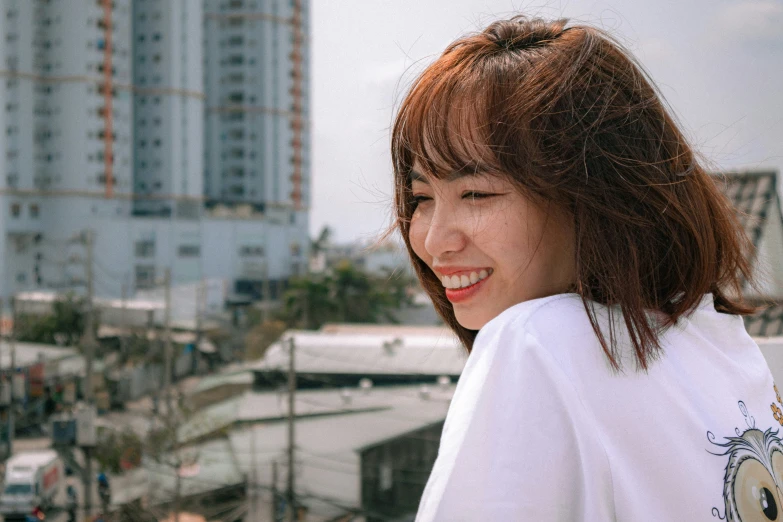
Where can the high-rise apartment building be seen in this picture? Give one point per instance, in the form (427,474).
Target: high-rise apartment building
(175,130)
(168,107)
(256,56)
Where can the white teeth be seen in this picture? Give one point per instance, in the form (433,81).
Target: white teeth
(462,281)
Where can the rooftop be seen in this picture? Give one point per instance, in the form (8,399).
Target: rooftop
(387,350)
(754,194)
(328,445)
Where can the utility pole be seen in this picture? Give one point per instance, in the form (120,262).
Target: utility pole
(167,385)
(167,339)
(200,297)
(11,373)
(201,292)
(291,424)
(266,298)
(12,409)
(88,346)
(274,492)
(4,382)
(123,321)
(88,337)
(253,513)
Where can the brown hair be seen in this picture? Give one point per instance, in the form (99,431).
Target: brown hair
(571,118)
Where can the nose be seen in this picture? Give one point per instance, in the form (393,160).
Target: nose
(444,234)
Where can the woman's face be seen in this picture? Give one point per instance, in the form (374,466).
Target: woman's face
(491,247)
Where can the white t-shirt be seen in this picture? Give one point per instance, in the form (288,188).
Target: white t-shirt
(540,428)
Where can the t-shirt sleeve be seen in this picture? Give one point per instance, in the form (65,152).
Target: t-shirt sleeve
(516,444)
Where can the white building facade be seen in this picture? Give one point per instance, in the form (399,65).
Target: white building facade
(109,111)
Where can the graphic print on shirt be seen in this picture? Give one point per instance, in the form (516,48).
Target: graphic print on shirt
(752,490)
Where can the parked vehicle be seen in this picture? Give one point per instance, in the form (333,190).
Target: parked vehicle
(33,480)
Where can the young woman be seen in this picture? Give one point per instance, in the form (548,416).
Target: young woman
(569,235)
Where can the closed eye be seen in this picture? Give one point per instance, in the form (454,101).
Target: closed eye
(416,200)
(477,195)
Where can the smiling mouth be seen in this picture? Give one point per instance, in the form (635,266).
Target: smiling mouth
(465,280)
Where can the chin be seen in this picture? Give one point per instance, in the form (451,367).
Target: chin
(471,322)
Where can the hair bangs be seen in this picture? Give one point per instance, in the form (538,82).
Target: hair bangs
(446,125)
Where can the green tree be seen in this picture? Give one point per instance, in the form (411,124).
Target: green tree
(67,319)
(118,451)
(345,295)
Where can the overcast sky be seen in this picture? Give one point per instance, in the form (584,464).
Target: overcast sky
(719,64)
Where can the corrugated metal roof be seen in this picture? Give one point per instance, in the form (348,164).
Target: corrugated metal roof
(328,447)
(365,353)
(754,194)
(270,406)
(767,323)
(327,456)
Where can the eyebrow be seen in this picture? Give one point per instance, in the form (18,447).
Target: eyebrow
(452,176)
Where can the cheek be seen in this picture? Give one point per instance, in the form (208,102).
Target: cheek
(417,234)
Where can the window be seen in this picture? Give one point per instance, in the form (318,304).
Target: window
(251,251)
(234,116)
(34,210)
(16,210)
(145,248)
(189,250)
(145,276)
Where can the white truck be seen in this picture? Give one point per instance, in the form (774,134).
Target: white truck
(32,480)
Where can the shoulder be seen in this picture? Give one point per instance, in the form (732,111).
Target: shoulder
(548,320)
(514,413)
(556,329)
(532,337)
